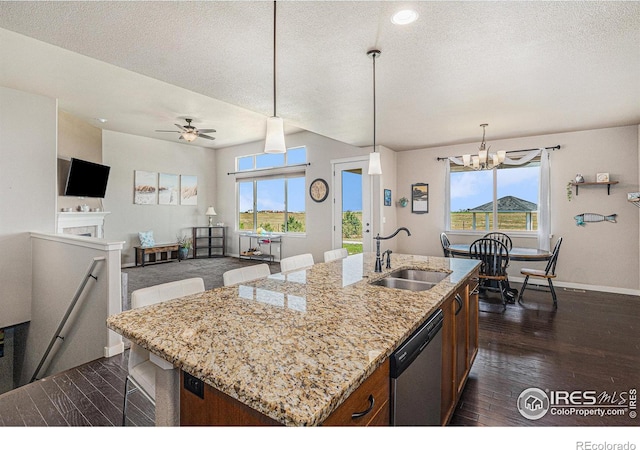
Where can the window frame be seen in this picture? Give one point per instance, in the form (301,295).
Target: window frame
(283,172)
(494,214)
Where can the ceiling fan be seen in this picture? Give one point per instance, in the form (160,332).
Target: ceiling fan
(189,133)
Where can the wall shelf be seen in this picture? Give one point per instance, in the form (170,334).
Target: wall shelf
(595,183)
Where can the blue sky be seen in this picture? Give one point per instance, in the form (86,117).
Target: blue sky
(474,188)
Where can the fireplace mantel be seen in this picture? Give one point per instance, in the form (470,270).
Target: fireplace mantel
(70,221)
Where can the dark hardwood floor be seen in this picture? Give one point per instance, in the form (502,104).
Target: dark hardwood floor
(592,342)
(88,395)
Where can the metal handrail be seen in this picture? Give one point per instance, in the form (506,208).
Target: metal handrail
(63,322)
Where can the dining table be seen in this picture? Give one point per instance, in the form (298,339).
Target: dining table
(515,254)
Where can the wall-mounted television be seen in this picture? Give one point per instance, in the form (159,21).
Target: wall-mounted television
(86,179)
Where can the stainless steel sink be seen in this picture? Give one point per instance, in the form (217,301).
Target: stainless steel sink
(399,283)
(411,279)
(419,275)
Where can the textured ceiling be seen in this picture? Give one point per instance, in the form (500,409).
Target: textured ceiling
(524,67)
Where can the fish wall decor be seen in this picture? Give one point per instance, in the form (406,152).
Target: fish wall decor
(582,219)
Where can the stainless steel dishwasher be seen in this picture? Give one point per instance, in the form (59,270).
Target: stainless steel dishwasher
(416,368)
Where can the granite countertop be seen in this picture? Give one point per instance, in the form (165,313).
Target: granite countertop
(292,346)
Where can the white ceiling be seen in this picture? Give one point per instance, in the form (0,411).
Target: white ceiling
(525,68)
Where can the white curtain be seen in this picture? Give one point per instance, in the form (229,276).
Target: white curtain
(544,210)
(544,222)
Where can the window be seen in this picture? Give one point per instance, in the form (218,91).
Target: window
(505,198)
(271,191)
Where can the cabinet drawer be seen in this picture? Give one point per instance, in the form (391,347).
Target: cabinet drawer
(375,387)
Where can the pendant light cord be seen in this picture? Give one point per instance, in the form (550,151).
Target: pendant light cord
(274,58)
(374,102)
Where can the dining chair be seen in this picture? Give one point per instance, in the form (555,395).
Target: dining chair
(296,262)
(494,259)
(244,274)
(338,253)
(548,273)
(504,238)
(444,241)
(141,371)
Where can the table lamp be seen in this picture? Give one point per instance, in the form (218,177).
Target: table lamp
(210,212)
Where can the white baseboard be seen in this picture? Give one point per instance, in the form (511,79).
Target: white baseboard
(580,286)
(114,350)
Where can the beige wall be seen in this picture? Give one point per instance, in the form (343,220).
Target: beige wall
(76,139)
(27,196)
(600,256)
(125,153)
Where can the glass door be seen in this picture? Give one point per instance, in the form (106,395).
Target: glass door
(352,208)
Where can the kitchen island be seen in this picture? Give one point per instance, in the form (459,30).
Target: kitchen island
(294,346)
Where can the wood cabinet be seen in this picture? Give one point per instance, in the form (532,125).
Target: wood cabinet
(459,343)
(366,406)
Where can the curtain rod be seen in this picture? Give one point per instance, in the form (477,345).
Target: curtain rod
(269,168)
(557,147)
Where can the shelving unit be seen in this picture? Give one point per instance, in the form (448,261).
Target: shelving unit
(595,183)
(209,239)
(262,242)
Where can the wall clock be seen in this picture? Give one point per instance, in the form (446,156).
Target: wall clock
(319,190)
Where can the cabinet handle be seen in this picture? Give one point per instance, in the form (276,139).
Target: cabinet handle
(357,415)
(459,300)
(475,290)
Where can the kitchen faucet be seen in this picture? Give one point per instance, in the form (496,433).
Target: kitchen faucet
(378,238)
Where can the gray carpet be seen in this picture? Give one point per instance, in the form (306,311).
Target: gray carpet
(209,269)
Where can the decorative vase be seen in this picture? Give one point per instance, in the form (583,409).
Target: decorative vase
(404,203)
(579,178)
(183,253)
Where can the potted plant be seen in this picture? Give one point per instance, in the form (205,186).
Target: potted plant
(404,201)
(184,244)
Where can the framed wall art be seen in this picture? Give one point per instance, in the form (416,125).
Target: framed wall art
(168,189)
(420,198)
(387,197)
(145,188)
(188,190)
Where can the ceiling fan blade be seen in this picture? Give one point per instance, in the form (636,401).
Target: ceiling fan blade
(167,131)
(181,137)
(204,136)
(181,127)
(206,130)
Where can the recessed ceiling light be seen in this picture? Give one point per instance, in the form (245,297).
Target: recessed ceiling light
(101,120)
(404,17)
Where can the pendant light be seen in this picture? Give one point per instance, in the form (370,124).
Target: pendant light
(274,141)
(374,158)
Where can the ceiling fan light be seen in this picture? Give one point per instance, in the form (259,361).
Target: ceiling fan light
(189,136)
(274,142)
(375,168)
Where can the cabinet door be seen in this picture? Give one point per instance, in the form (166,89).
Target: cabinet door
(448,398)
(472,349)
(461,303)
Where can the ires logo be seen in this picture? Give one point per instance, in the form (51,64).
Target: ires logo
(534,403)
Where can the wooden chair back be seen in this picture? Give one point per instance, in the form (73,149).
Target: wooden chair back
(444,241)
(493,256)
(504,238)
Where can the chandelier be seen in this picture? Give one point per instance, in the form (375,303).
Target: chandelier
(484,160)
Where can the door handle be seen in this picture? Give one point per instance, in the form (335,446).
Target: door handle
(357,415)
